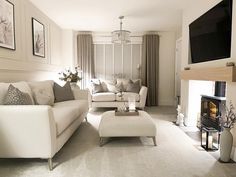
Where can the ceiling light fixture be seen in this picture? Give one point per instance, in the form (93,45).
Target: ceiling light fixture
(121,36)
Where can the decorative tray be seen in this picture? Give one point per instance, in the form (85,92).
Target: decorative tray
(126,113)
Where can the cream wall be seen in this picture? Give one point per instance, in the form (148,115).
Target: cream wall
(190,15)
(21,64)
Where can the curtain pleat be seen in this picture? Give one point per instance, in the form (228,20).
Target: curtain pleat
(150,67)
(85,54)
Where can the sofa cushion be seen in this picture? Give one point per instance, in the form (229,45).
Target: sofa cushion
(15,97)
(115,87)
(64,116)
(102,82)
(68,111)
(42,92)
(105,96)
(63,93)
(126,96)
(96,88)
(133,86)
(22,86)
(124,82)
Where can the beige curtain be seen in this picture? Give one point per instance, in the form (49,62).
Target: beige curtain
(85,53)
(150,67)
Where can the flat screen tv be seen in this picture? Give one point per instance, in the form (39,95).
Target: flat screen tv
(210,34)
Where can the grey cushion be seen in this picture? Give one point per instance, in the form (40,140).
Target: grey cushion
(133,86)
(97,87)
(62,93)
(15,97)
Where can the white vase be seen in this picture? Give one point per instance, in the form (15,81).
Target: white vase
(74,85)
(226,142)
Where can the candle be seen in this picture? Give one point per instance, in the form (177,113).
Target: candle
(210,142)
(131,103)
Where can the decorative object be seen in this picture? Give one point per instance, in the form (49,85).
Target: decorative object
(180,117)
(121,36)
(122,107)
(126,112)
(38,38)
(7,25)
(131,102)
(230,64)
(71,76)
(209,138)
(226,140)
(186,68)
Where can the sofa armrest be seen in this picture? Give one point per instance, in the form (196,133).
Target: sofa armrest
(27,132)
(143,96)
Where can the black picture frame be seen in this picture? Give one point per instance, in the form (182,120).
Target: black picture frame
(38,38)
(7,27)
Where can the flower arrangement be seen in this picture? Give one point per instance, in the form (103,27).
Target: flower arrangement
(230,116)
(70,76)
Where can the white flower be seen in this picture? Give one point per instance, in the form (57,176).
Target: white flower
(68,79)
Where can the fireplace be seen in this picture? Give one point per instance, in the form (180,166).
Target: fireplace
(212,109)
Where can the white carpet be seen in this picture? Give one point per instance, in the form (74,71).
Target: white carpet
(176,155)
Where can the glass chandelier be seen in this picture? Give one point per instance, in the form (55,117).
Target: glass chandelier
(121,36)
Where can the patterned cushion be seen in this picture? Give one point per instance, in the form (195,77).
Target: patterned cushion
(133,86)
(63,93)
(15,97)
(22,86)
(115,88)
(124,82)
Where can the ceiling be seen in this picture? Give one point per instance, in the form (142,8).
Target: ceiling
(102,15)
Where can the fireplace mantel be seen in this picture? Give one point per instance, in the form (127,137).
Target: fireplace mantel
(227,74)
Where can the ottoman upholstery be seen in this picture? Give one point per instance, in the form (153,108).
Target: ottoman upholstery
(126,126)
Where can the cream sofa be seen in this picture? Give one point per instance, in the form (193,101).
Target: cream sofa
(39,131)
(110,99)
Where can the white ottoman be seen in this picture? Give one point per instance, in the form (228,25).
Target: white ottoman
(126,126)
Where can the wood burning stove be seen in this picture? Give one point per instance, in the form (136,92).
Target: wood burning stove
(212,111)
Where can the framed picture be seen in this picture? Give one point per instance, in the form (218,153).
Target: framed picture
(7,25)
(38,38)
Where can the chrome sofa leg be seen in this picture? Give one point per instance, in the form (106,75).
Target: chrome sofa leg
(154,141)
(50,164)
(86,119)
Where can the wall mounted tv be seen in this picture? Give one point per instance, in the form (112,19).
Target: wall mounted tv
(210,34)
